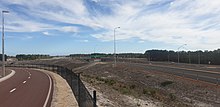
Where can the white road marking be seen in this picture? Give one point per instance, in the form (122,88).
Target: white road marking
(24,82)
(29,77)
(48,95)
(13,90)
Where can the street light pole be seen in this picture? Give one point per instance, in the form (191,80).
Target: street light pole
(178,52)
(189,58)
(115,47)
(198,57)
(3,37)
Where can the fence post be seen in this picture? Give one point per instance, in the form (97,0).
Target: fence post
(183,73)
(197,76)
(71,80)
(64,73)
(79,90)
(94,98)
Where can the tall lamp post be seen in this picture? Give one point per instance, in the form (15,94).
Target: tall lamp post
(115,47)
(178,52)
(198,57)
(3,54)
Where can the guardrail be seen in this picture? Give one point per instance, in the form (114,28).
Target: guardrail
(80,92)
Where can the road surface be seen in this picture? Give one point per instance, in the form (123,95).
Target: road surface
(196,73)
(27,88)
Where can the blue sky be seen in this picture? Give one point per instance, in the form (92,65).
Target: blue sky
(62,27)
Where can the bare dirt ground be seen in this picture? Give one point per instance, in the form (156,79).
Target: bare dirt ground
(134,85)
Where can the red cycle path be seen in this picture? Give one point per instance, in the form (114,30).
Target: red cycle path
(27,88)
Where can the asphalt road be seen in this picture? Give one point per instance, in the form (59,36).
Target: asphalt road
(200,73)
(27,88)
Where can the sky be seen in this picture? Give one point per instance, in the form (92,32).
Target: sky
(62,27)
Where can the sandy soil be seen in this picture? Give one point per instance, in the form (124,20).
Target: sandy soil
(133,85)
(104,101)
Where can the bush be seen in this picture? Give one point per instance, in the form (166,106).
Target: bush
(110,82)
(172,96)
(125,91)
(149,91)
(132,86)
(107,81)
(166,83)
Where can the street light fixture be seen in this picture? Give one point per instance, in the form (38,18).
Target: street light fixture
(115,47)
(178,52)
(3,54)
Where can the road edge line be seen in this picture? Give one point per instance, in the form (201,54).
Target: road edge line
(49,92)
(7,76)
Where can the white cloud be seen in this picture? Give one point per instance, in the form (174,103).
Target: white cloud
(181,21)
(46,33)
(198,27)
(141,41)
(21,37)
(85,41)
(69,29)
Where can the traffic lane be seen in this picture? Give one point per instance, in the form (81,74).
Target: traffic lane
(11,83)
(215,68)
(196,75)
(202,78)
(32,93)
(177,71)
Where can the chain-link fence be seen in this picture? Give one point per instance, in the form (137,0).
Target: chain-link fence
(81,94)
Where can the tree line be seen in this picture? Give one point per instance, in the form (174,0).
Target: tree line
(195,57)
(21,57)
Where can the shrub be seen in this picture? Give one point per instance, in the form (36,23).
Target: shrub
(149,91)
(132,86)
(166,83)
(172,96)
(125,91)
(110,82)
